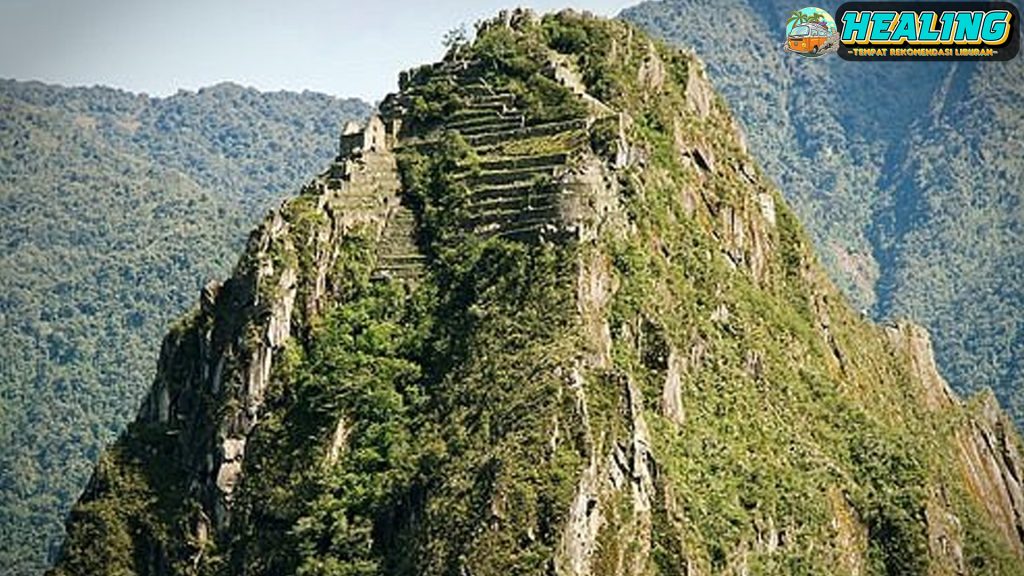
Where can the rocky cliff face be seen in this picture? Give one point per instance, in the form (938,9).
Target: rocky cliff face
(545,315)
(913,209)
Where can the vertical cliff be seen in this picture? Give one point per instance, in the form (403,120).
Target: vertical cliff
(545,315)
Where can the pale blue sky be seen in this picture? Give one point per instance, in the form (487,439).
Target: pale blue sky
(346,48)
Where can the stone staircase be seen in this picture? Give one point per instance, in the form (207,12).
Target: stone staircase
(367,189)
(398,257)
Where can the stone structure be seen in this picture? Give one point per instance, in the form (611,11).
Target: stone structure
(376,136)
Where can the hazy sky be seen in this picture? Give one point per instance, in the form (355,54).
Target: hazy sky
(346,48)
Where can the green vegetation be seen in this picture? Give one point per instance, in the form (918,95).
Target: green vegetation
(767,448)
(508,412)
(116,208)
(357,375)
(906,175)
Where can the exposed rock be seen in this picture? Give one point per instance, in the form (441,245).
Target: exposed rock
(990,458)
(594,290)
(208,296)
(218,375)
(338,442)
(704,158)
(766,202)
(851,535)
(585,520)
(913,340)
(671,396)
(641,466)
(279,327)
(594,204)
(651,73)
(232,449)
(227,478)
(163,409)
(578,541)
(755,364)
(989,452)
(945,536)
(699,93)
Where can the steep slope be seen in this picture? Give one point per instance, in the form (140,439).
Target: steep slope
(114,206)
(545,315)
(914,203)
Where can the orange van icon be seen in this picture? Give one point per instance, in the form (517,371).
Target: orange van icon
(811,32)
(808,38)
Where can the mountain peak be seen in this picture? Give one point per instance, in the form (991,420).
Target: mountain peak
(543,314)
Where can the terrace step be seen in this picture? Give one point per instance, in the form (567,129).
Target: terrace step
(493,96)
(535,161)
(499,142)
(400,227)
(516,189)
(533,233)
(400,242)
(358,203)
(402,215)
(527,229)
(445,76)
(495,106)
(494,119)
(466,114)
(402,245)
(568,141)
(417,90)
(411,274)
(515,217)
(400,259)
(455,66)
(522,202)
(545,129)
(400,224)
(485,92)
(488,127)
(402,271)
(519,175)
(350,197)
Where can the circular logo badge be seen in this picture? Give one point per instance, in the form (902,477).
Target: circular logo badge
(811,32)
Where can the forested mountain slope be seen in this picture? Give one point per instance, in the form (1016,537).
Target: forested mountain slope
(908,174)
(545,315)
(113,208)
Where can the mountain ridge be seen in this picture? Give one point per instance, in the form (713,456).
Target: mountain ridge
(545,315)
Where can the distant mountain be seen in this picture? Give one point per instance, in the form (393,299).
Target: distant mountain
(114,208)
(547,316)
(909,175)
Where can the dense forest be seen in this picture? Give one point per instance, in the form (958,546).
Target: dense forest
(909,176)
(116,208)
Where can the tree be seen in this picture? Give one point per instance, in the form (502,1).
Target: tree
(796,18)
(455,39)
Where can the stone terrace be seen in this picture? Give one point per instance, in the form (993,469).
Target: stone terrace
(518,188)
(521,187)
